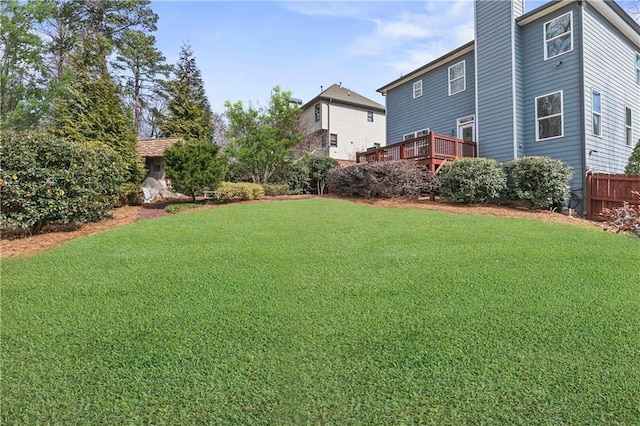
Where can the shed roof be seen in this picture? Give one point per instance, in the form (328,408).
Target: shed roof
(155,147)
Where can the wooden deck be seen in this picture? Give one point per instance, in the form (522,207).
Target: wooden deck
(432,149)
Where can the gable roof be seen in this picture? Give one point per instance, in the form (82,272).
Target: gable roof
(155,147)
(340,94)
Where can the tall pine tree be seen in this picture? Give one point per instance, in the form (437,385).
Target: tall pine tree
(188,110)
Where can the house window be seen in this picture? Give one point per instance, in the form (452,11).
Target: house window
(417,89)
(370,116)
(558,38)
(457,80)
(417,134)
(549,116)
(638,67)
(317,112)
(408,136)
(596,112)
(333,140)
(423,132)
(628,127)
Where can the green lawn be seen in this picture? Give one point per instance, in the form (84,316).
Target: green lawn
(322,311)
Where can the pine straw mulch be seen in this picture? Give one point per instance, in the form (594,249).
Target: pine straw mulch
(130,214)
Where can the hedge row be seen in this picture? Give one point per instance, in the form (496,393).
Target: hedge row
(385,179)
(239,191)
(539,182)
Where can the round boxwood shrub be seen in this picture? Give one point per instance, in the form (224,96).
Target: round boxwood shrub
(472,180)
(541,182)
(45,180)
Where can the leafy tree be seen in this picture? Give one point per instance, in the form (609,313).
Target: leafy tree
(194,166)
(319,168)
(261,139)
(188,109)
(143,63)
(633,167)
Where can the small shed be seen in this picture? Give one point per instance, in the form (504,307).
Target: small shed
(155,185)
(152,151)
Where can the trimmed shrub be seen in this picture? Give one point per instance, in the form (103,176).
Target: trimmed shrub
(387,179)
(238,191)
(194,166)
(541,182)
(45,180)
(273,190)
(472,180)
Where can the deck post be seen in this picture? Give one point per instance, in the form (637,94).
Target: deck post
(432,146)
(456,148)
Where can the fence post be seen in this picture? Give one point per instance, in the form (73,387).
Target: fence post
(588,198)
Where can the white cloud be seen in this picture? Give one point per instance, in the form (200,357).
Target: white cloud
(326,9)
(416,34)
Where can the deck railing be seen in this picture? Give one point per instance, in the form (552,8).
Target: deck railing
(424,148)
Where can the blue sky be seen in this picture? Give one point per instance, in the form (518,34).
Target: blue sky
(244,48)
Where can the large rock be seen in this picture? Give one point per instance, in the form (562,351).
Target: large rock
(156,190)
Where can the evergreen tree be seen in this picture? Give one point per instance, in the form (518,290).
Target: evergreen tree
(188,109)
(194,167)
(633,167)
(89,110)
(142,62)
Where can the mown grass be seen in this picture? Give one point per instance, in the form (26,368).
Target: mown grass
(323,311)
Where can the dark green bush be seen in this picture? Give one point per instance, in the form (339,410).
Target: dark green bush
(45,180)
(272,190)
(472,180)
(387,179)
(238,191)
(633,167)
(319,169)
(541,182)
(194,166)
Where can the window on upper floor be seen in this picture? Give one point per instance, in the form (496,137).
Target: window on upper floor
(457,79)
(638,67)
(417,89)
(628,127)
(596,112)
(317,112)
(558,36)
(370,116)
(549,123)
(333,140)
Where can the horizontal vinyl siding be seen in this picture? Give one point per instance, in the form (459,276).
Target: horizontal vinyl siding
(495,84)
(542,77)
(435,109)
(355,133)
(610,69)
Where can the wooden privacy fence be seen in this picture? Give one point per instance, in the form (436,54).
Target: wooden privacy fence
(607,191)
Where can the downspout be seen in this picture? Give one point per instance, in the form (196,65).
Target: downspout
(329,125)
(583,131)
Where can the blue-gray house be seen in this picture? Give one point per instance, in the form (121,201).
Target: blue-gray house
(562,81)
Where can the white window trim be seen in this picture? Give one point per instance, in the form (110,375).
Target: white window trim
(370,115)
(417,87)
(469,120)
(637,67)
(549,116)
(416,134)
(593,112)
(628,128)
(463,77)
(544,36)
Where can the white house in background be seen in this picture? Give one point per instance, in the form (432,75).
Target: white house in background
(339,122)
